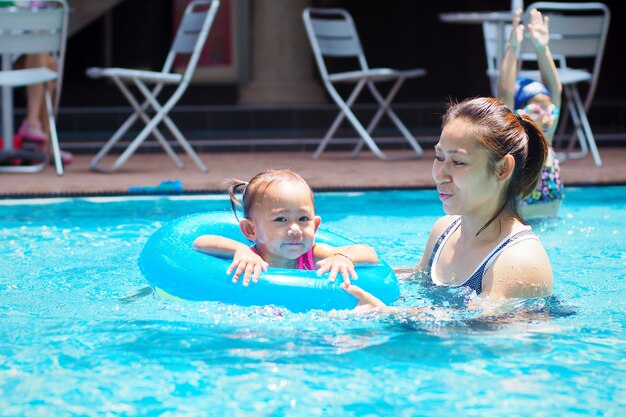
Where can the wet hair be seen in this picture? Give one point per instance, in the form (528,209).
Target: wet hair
(253,191)
(501,132)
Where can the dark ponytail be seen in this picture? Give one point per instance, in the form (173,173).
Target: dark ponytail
(537,154)
(233,186)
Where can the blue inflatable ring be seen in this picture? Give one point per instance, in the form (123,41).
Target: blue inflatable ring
(173,268)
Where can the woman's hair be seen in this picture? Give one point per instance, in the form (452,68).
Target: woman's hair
(501,132)
(254,191)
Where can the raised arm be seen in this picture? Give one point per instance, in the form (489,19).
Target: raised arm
(508,67)
(342,260)
(540,35)
(245,261)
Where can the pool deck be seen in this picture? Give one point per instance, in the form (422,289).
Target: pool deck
(334,170)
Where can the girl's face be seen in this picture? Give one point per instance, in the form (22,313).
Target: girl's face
(542,111)
(461,173)
(284,223)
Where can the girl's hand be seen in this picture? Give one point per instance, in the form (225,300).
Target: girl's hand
(538,28)
(337,264)
(247,263)
(517,30)
(366,302)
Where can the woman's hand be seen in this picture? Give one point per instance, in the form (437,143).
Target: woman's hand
(337,264)
(247,263)
(538,28)
(366,302)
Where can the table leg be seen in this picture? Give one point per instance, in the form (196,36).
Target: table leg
(7,108)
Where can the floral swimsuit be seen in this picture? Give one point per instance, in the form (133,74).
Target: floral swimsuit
(550,187)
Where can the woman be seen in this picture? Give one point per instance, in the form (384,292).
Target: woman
(486,158)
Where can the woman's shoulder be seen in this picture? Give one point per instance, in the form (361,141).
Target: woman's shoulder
(521,270)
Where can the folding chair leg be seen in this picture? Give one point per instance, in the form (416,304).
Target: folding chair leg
(162,112)
(587,128)
(132,147)
(139,139)
(335,125)
(385,107)
(374,122)
(185,144)
(364,134)
(328,136)
(577,134)
(54,139)
(139,112)
(560,134)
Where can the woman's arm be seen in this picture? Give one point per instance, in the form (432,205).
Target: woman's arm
(540,35)
(342,260)
(508,67)
(245,261)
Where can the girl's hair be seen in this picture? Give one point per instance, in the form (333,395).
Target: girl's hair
(501,132)
(254,191)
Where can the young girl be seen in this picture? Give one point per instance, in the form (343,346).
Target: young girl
(541,102)
(279,218)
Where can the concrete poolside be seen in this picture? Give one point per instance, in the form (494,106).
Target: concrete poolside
(334,170)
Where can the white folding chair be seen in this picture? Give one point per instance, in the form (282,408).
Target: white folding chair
(32,30)
(578,31)
(190,39)
(332,34)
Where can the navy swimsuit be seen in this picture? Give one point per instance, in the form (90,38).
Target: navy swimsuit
(475,281)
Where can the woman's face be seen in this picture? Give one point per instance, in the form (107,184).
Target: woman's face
(461,172)
(285,223)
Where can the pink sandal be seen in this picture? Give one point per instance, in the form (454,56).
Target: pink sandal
(31,132)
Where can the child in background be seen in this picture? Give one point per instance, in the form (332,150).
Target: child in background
(539,100)
(279,217)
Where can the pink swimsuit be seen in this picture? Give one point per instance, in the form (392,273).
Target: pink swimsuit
(305,261)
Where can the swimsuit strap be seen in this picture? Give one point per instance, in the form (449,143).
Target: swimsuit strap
(475,280)
(306,261)
(440,241)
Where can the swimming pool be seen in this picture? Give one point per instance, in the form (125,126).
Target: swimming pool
(75,341)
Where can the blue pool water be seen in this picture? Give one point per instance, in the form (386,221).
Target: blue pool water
(77,339)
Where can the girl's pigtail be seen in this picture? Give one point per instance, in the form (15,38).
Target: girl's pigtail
(233,187)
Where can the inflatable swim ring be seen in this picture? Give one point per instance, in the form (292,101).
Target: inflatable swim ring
(173,268)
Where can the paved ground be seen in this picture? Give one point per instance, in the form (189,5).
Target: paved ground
(333,170)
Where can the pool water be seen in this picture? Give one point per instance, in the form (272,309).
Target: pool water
(79,337)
